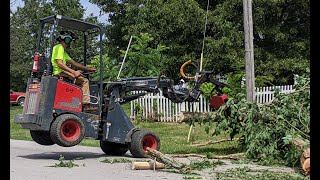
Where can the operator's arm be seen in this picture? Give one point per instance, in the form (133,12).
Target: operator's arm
(80,66)
(66,68)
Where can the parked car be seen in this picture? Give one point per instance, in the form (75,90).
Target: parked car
(17,98)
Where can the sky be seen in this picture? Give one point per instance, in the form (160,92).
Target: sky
(90,8)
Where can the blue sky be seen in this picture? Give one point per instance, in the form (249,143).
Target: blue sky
(90,8)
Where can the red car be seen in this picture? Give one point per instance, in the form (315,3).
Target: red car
(17,98)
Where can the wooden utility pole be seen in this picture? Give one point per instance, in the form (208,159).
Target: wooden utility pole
(248,35)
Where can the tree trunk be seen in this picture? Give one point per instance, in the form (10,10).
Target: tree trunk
(305,155)
(166,159)
(305,161)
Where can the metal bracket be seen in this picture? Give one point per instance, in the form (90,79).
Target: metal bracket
(97,99)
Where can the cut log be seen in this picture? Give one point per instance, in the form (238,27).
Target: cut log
(305,155)
(305,161)
(165,159)
(306,166)
(147,165)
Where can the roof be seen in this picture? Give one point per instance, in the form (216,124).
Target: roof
(71,23)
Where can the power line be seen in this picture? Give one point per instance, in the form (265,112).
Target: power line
(204,36)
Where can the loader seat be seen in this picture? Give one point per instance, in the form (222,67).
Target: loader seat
(65,79)
(50,70)
(45,68)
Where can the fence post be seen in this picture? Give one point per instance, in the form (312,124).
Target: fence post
(295,77)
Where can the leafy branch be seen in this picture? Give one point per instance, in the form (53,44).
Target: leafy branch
(262,127)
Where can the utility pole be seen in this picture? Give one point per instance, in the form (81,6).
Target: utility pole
(248,35)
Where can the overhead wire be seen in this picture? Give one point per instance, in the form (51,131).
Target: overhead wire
(204,36)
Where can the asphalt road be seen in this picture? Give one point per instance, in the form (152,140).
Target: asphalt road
(31,161)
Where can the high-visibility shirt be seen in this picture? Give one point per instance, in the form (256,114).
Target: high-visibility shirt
(58,52)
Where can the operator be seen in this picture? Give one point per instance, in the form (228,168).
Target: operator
(59,60)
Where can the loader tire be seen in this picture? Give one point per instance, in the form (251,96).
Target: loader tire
(111,148)
(67,130)
(142,139)
(41,137)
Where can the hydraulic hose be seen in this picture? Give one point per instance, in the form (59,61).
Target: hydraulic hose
(182,71)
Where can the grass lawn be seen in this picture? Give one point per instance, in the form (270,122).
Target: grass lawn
(173,137)
(16,132)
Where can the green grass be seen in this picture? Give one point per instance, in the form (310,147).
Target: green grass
(16,131)
(173,137)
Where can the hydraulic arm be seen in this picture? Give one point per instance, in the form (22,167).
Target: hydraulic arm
(154,84)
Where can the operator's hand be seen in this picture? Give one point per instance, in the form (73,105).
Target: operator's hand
(77,74)
(91,69)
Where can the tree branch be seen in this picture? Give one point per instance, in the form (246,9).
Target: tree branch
(213,142)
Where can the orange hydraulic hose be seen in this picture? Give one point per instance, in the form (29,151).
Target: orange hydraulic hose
(182,71)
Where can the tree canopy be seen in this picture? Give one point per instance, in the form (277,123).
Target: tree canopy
(281,35)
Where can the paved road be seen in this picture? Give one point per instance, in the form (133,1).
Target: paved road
(30,161)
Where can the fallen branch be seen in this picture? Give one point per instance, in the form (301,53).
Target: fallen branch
(299,143)
(230,156)
(188,155)
(165,159)
(213,142)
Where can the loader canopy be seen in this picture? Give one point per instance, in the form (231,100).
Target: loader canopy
(85,31)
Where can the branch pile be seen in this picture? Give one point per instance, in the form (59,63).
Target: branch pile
(268,131)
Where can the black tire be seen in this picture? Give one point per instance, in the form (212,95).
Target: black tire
(142,139)
(41,137)
(21,101)
(67,130)
(111,148)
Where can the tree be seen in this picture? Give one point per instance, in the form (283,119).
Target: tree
(23,34)
(110,68)
(170,24)
(281,34)
(143,60)
(282,38)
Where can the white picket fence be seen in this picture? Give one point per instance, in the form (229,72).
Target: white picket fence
(266,94)
(160,108)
